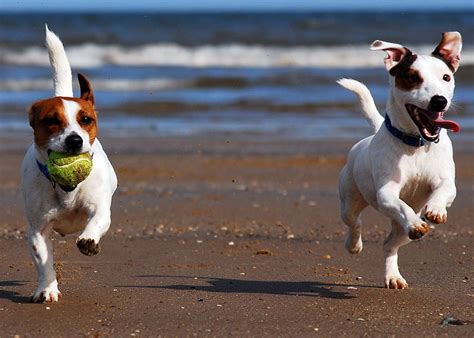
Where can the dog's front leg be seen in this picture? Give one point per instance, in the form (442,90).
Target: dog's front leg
(396,239)
(41,249)
(390,204)
(97,226)
(441,198)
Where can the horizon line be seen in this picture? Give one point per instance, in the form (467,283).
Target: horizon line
(232,10)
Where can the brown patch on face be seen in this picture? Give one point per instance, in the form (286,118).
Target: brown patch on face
(406,78)
(47,118)
(409,81)
(87,119)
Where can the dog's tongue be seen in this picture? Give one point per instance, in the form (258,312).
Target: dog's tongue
(447,124)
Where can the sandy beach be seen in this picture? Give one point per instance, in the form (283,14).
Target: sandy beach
(228,130)
(218,236)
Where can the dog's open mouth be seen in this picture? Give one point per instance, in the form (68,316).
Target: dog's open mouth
(430,123)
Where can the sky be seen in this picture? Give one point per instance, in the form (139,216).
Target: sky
(242,5)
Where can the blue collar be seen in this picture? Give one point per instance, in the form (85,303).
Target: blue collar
(44,169)
(411,140)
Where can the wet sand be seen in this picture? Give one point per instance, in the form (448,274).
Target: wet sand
(220,236)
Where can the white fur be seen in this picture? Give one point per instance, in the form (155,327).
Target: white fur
(402,182)
(85,209)
(62,76)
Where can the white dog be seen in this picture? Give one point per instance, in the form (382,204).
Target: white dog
(406,169)
(68,125)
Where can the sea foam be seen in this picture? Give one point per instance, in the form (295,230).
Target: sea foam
(232,55)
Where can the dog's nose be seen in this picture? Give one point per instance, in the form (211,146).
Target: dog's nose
(438,103)
(74,143)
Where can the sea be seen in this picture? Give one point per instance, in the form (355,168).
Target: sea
(250,74)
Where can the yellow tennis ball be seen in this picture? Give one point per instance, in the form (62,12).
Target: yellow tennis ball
(69,170)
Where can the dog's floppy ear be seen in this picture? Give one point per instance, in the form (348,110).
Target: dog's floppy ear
(395,52)
(32,111)
(86,88)
(449,49)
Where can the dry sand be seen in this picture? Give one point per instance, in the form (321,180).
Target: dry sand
(219,236)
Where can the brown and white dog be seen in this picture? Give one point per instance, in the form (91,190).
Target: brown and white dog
(406,169)
(68,125)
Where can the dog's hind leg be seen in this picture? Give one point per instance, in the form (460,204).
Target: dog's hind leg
(352,204)
(350,213)
(396,239)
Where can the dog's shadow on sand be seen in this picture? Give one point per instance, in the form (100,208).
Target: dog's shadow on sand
(13,296)
(226,285)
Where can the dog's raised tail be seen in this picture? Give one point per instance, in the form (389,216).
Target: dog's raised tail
(62,76)
(366,101)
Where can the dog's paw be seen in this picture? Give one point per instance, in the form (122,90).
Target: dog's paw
(436,215)
(395,282)
(353,245)
(88,246)
(418,230)
(46,295)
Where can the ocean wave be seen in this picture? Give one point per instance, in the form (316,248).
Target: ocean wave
(118,85)
(233,55)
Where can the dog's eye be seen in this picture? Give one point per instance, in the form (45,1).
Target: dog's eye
(413,78)
(446,77)
(51,121)
(86,120)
